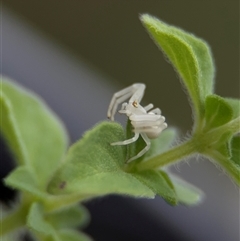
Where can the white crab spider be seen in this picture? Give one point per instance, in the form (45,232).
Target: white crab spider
(146,122)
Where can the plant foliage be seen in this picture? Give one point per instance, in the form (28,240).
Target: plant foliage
(52,180)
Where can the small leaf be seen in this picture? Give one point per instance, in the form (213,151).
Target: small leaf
(159,183)
(93,167)
(44,228)
(35,133)
(218,111)
(72,235)
(23,179)
(186,193)
(222,144)
(190,56)
(235,104)
(71,217)
(36,221)
(235,149)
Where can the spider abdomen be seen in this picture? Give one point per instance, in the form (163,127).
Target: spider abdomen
(152,127)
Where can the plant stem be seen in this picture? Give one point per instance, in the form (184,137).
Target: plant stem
(197,144)
(173,155)
(13,221)
(227,165)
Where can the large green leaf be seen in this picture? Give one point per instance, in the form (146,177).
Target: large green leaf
(190,56)
(24,180)
(32,130)
(93,167)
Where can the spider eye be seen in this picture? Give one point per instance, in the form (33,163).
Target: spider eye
(135,104)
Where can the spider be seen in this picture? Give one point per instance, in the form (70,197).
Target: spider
(146,122)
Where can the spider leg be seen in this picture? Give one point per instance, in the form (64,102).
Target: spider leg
(135,90)
(126,142)
(117,102)
(156,111)
(138,93)
(144,150)
(148,107)
(117,99)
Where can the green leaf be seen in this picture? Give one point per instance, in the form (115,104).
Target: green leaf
(159,182)
(32,130)
(187,194)
(36,221)
(45,226)
(23,179)
(218,112)
(93,167)
(190,56)
(235,150)
(70,217)
(235,104)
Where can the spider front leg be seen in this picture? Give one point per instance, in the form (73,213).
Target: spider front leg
(148,107)
(135,90)
(126,142)
(133,139)
(144,150)
(155,111)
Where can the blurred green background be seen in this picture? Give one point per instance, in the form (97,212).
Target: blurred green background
(108,35)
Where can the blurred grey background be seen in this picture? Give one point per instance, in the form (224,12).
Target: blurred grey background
(76,54)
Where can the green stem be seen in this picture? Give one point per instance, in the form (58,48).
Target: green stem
(173,155)
(227,165)
(13,221)
(197,144)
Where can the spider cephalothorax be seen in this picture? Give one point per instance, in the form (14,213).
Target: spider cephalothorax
(146,122)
